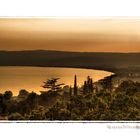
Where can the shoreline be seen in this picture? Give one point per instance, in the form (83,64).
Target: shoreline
(113,62)
(86,68)
(38,78)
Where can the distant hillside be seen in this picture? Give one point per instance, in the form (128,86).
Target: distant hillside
(107,61)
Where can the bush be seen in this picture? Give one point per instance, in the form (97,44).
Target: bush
(16,116)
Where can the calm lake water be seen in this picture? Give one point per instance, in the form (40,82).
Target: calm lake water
(31,78)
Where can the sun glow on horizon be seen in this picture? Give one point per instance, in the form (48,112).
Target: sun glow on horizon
(90,35)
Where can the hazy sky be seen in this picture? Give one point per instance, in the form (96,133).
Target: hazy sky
(98,35)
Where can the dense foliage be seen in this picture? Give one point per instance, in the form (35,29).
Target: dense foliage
(78,103)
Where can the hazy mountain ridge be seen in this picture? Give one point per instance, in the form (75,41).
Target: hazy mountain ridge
(97,60)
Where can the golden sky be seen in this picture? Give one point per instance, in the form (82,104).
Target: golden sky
(88,35)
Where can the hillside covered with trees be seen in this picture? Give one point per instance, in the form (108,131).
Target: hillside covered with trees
(62,102)
(114,62)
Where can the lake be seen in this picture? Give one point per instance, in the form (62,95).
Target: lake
(31,78)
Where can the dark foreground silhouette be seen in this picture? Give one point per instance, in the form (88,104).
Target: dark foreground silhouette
(102,100)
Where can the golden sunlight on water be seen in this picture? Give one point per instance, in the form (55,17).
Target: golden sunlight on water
(31,78)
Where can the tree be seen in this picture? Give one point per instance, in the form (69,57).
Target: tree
(23,94)
(1,98)
(75,85)
(107,83)
(91,85)
(52,85)
(8,95)
(88,85)
(2,105)
(85,87)
(32,100)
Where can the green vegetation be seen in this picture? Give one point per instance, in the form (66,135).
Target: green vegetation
(87,102)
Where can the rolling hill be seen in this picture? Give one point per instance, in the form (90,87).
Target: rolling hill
(115,62)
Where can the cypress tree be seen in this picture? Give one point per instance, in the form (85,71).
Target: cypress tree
(88,84)
(75,85)
(85,87)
